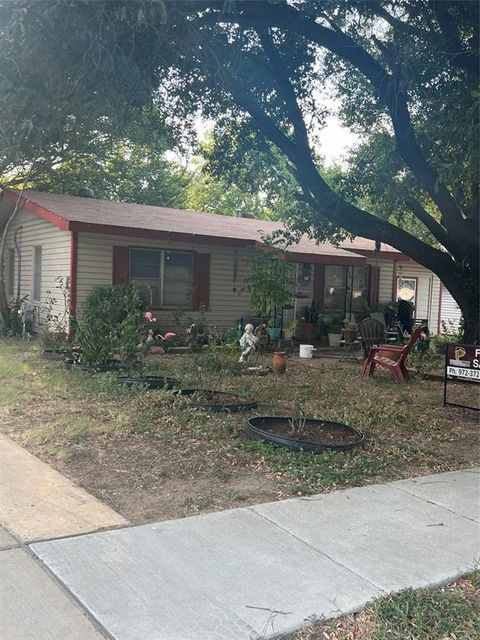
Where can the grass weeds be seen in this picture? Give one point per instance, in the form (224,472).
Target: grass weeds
(451,612)
(113,439)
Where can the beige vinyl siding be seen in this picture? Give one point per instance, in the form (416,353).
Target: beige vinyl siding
(32,232)
(385,278)
(450,312)
(428,288)
(95,253)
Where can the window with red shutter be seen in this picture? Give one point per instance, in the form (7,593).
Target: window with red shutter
(201,281)
(166,277)
(120,265)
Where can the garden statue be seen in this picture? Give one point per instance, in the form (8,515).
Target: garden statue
(248,343)
(27,316)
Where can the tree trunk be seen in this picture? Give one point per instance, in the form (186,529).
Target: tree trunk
(464,287)
(4,307)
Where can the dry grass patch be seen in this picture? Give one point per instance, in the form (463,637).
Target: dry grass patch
(151,457)
(449,613)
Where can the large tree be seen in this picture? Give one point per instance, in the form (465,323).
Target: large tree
(404,69)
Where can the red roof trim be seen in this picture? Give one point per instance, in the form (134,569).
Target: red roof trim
(135,232)
(389,255)
(193,238)
(37,210)
(315,258)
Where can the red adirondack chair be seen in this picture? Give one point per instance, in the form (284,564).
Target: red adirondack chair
(391,357)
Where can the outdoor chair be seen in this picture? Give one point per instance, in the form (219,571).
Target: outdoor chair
(391,357)
(372,334)
(377,315)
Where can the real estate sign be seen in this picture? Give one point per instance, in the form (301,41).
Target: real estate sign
(462,364)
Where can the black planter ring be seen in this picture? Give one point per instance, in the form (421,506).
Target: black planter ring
(78,368)
(150,382)
(86,368)
(241,405)
(255,431)
(52,354)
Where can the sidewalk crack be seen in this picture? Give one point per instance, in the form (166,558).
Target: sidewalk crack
(318,551)
(436,504)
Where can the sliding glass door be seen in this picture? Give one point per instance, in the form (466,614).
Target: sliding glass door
(341,289)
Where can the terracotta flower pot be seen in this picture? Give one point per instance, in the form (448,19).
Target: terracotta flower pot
(279,363)
(310,329)
(349,335)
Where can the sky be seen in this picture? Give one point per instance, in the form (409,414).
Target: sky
(336,141)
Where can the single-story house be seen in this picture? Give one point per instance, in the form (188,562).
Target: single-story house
(186,259)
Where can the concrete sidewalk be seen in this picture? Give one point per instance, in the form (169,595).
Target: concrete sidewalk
(32,605)
(260,572)
(37,502)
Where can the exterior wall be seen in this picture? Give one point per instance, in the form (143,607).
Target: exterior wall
(385,280)
(428,293)
(27,232)
(450,312)
(428,289)
(227,304)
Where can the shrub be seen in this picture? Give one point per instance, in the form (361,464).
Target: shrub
(112,320)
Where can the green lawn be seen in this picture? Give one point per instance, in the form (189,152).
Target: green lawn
(151,457)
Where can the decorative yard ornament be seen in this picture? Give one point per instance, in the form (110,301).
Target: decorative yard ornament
(27,313)
(248,343)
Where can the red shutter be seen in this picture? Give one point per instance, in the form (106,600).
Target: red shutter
(373,284)
(120,266)
(201,281)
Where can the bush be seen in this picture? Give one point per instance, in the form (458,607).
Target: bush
(112,320)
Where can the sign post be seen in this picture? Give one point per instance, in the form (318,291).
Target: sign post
(462,364)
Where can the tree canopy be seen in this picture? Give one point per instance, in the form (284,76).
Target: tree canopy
(405,72)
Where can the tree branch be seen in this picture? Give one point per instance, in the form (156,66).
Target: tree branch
(259,14)
(326,201)
(286,91)
(434,227)
(464,60)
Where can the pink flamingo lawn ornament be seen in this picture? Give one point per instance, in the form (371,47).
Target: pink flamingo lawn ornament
(168,336)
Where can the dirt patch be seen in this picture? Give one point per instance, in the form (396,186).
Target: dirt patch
(150,456)
(161,482)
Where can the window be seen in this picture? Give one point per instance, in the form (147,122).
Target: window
(165,276)
(344,289)
(11,272)
(37,273)
(407,289)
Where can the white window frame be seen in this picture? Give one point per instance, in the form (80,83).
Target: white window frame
(37,273)
(410,278)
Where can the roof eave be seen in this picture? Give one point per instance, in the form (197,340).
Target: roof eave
(36,209)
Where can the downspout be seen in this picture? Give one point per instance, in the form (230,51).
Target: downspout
(73,280)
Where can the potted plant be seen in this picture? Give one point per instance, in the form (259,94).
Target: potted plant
(270,284)
(310,317)
(350,331)
(334,331)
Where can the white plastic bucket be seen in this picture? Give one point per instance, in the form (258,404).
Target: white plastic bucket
(306,350)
